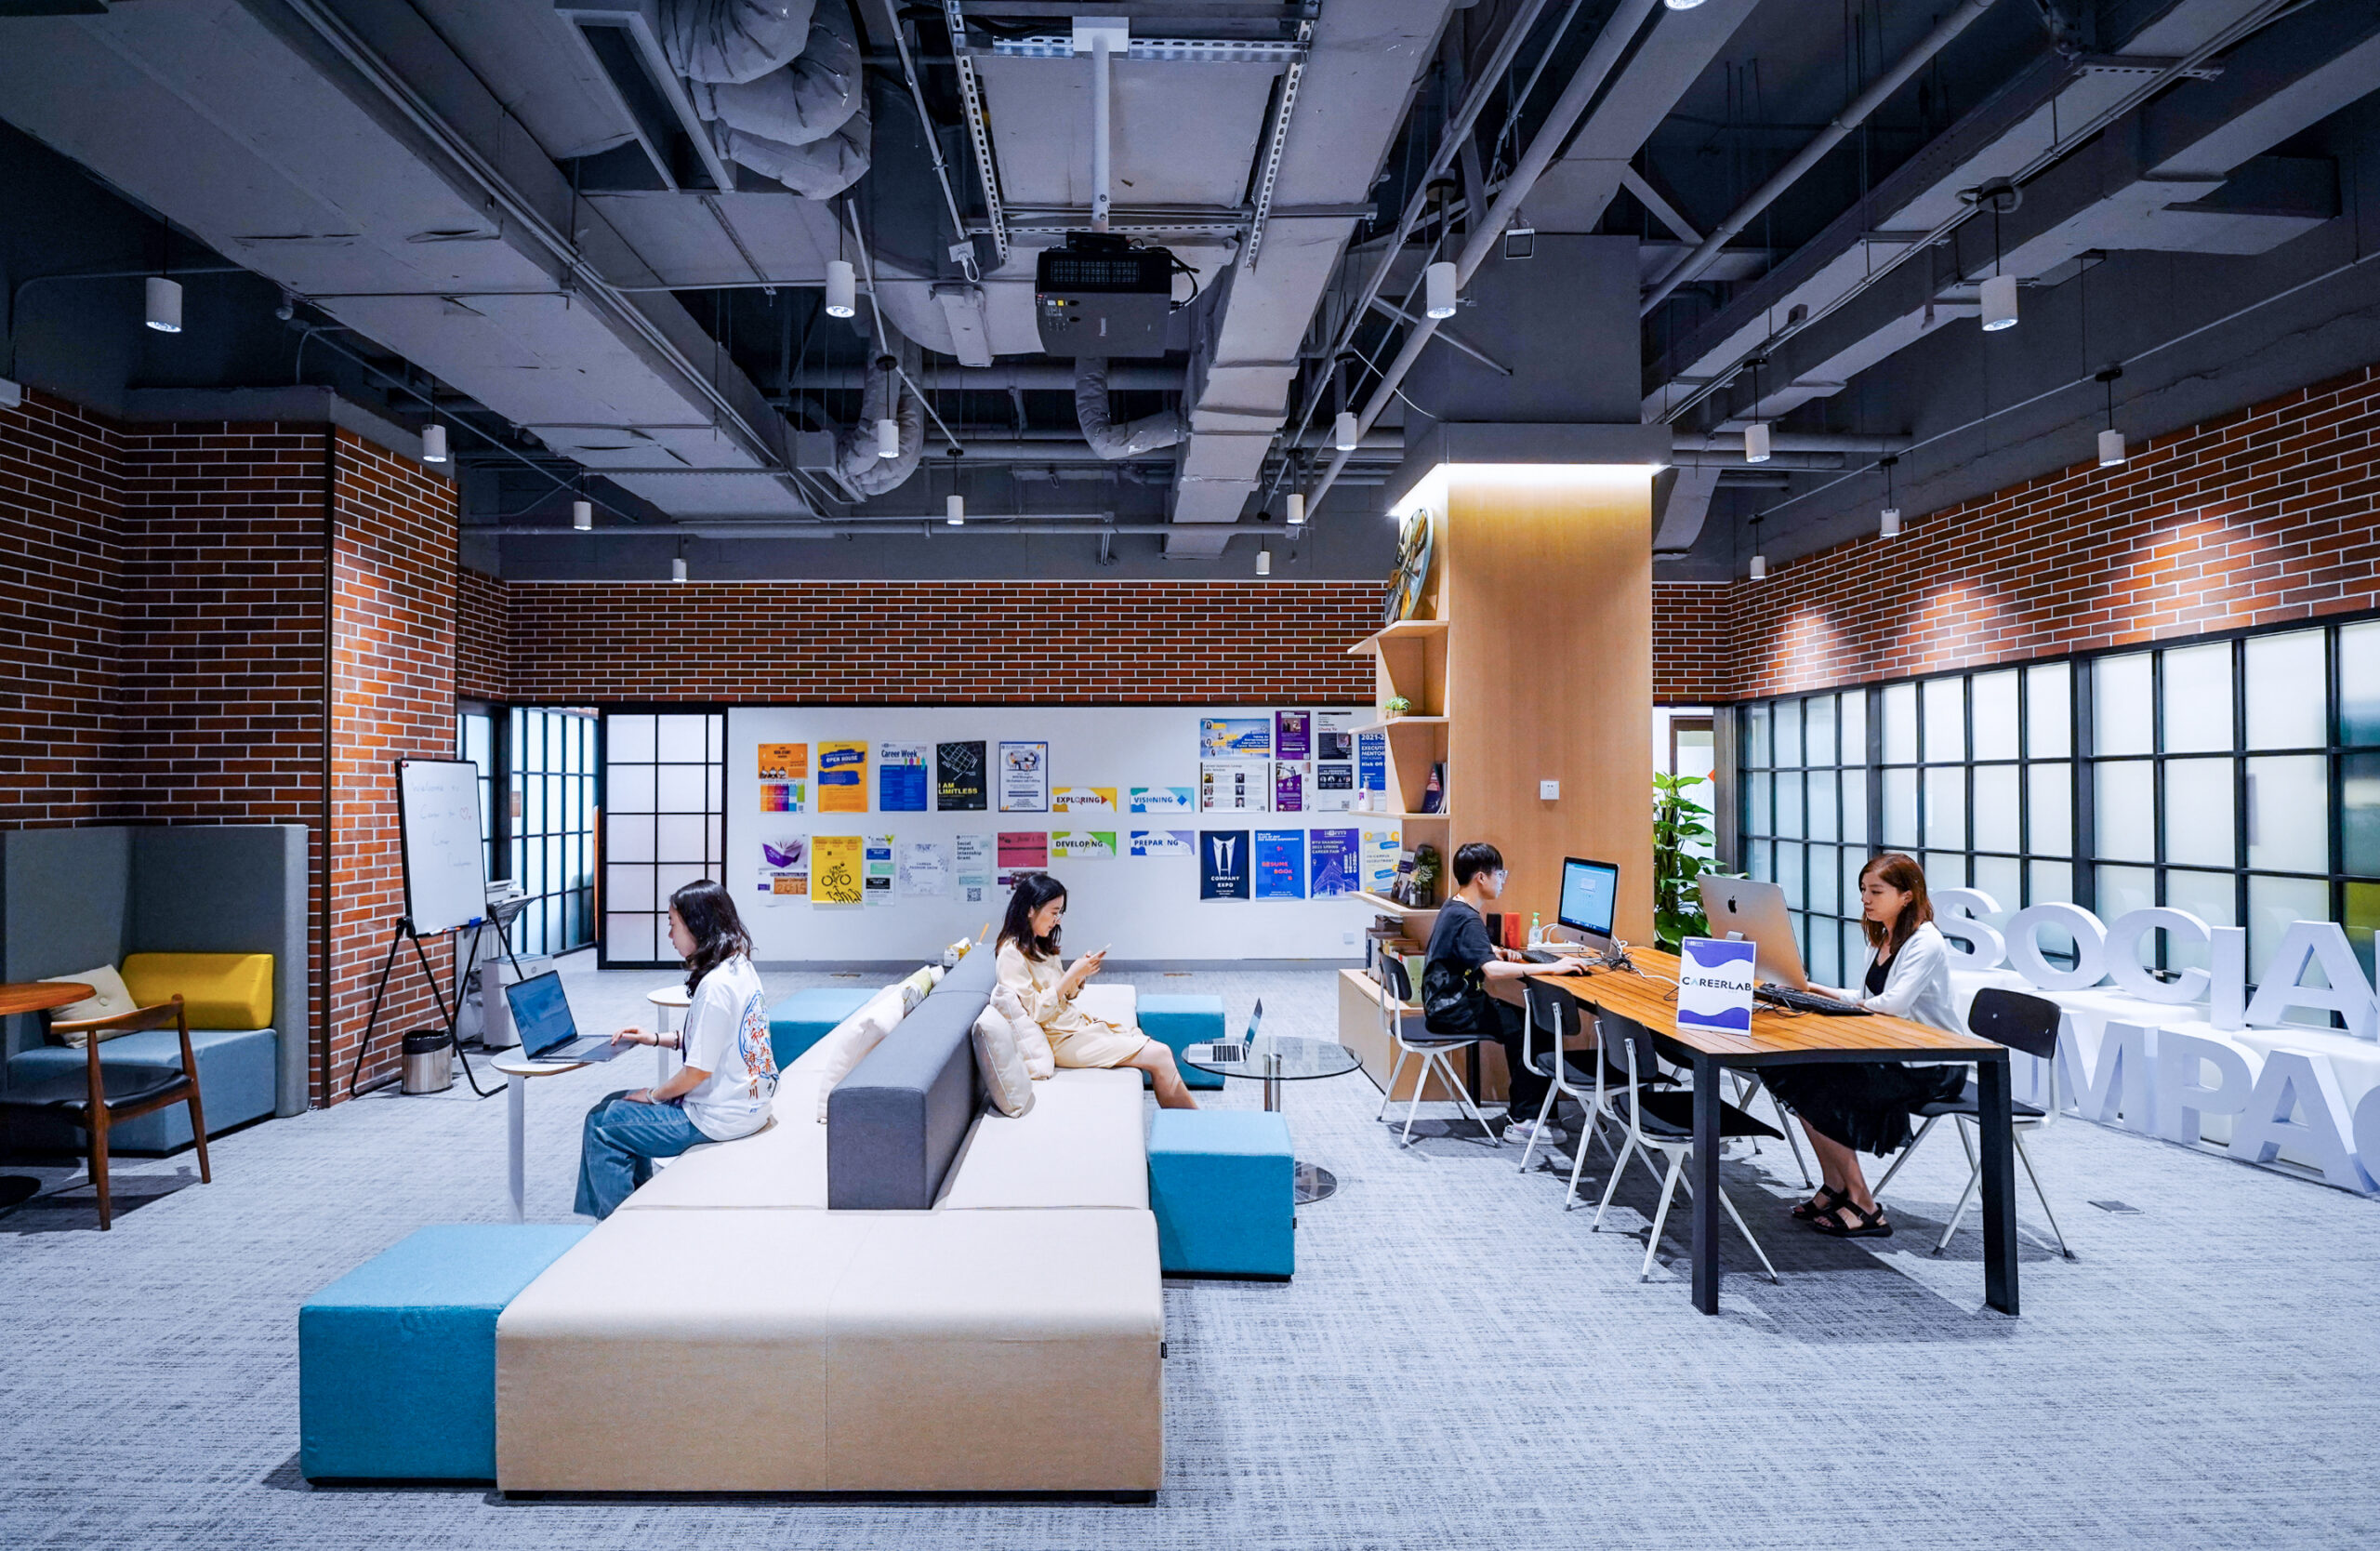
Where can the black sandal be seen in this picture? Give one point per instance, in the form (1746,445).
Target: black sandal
(1823,1204)
(1865,1225)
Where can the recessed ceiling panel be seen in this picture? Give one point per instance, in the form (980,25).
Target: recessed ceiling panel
(1185,131)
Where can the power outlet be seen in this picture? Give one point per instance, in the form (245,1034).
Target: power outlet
(1548,791)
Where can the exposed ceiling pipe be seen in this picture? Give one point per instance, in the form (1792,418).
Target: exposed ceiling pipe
(889,527)
(1850,118)
(1104,436)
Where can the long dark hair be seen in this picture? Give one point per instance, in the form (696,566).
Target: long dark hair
(1032,891)
(1900,871)
(709,914)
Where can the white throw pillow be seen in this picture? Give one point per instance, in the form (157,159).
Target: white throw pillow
(919,986)
(848,1043)
(114,999)
(1032,1042)
(1003,1068)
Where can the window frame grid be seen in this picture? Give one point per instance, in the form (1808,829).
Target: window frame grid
(713,815)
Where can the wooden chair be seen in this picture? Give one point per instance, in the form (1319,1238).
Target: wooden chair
(106,1096)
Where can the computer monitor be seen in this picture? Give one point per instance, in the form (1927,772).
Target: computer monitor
(1756,912)
(1590,895)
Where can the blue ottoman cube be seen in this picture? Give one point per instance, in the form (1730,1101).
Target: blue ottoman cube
(806,1017)
(1181,1021)
(396,1360)
(1223,1187)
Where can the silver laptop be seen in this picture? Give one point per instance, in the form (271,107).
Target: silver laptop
(1756,912)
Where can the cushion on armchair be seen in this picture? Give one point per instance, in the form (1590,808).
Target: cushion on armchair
(218,990)
(111,1000)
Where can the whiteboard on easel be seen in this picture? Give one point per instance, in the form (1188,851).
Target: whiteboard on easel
(438,809)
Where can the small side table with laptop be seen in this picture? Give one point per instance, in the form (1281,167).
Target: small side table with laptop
(1274,1059)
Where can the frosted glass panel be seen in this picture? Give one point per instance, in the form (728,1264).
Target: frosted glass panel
(1756,860)
(1756,737)
(1946,720)
(715,788)
(2197,812)
(681,789)
(2003,879)
(2124,888)
(2289,813)
(1818,730)
(2049,711)
(1945,869)
(1901,724)
(682,739)
(1760,817)
(1788,803)
(1856,954)
(1789,875)
(678,838)
(1855,806)
(1853,863)
(2127,815)
(2273,904)
(716,826)
(2119,705)
(1852,712)
(1996,827)
(1825,963)
(1946,808)
(2359,683)
(2198,698)
(632,937)
(627,738)
(1822,800)
(2359,814)
(1823,880)
(667,879)
(1788,734)
(2049,791)
(1994,696)
(2214,898)
(2285,691)
(1901,808)
(715,739)
(628,837)
(2050,883)
(628,888)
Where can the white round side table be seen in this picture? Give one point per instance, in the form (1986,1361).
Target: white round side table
(665,1000)
(517,1072)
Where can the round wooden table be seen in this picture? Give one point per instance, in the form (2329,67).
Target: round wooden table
(39,996)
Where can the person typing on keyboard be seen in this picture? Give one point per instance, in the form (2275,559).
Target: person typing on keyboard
(1461,959)
(1850,1108)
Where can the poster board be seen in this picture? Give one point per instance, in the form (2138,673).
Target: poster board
(1109,770)
(438,813)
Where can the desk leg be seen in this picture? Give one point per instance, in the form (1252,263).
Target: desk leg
(516,1107)
(1999,1186)
(1706,1183)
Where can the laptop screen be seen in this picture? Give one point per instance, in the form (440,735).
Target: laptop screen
(540,1013)
(1590,892)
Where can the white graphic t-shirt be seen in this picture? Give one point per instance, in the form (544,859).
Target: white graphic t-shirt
(727,1035)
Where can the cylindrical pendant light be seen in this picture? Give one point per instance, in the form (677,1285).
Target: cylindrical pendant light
(1681,5)
(1757,441)
(1759,560)
(164,304)
(1297,510)
(1343,434)
(887,438)
(2112,448)
(582,516)
(1999,302)
(433,443)
(1888,526)
(677,569)
(955,511)
(1264,562)
(1438,287)
(842,289)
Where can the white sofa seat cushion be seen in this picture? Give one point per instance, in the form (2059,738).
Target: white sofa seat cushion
(809,1351)
(782,1165)
(1083,1144)
(1118,1003)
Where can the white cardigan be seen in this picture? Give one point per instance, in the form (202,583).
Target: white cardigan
(1917,986)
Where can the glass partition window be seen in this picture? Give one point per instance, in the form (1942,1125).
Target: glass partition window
(1805,817)
(475,741)
(665,810)
(551,759)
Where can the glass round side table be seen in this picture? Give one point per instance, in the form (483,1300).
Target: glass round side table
(1274,1059)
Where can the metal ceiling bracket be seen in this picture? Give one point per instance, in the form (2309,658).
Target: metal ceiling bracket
(978,131)
(1173,50)
(1269,172)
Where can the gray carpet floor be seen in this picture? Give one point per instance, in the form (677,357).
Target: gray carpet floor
(1457,1362)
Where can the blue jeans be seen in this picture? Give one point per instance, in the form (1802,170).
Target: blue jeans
(618,1144)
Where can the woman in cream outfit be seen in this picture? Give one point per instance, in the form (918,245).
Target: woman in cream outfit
(1029,966)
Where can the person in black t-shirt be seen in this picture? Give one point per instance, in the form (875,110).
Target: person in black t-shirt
(1459,945)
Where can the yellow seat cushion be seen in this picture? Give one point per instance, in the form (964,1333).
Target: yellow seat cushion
(218,990)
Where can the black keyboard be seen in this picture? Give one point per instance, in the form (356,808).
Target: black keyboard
(1541,956)
(1806,1001)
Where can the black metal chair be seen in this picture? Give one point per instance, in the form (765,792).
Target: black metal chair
(1589,1082)
(2028,1023)
(1436,1050)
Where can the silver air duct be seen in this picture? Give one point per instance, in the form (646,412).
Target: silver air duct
(780,83)
(1108,439)
(858,466)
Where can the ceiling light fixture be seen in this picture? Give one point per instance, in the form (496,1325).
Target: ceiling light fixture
(1438,283)
(677,569)
(582,516)
(433,443)
(1264,562)
(842,289)
(955,511)
(2112,448)
(1756,432)
(887,438)
(1343,432)
(1998,293)
(1759,560)
(1297,510)
(1888,526)
(164,304)
(1681,5)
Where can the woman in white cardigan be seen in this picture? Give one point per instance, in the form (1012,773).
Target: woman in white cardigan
(1850,1108)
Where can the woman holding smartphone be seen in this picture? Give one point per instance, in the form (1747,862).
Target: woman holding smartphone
(1029,965)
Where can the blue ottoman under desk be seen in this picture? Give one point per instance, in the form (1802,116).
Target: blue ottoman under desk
(1222,1184)
(1180,1022)
(806,1017)
(396,1360)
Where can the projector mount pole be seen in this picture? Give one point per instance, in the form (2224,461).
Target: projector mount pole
(1102,35)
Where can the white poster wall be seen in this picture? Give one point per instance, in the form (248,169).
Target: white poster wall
(1141,901)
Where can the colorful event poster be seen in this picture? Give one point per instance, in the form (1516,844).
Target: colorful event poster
(1083,799)
(785,761)
(1164,842)
(1164,800)
(1335,735)
(842,778)
(1292,735)
(781,797)
(925,870)
(1335,859)
(1022,851)
(1371,761)
(1248,737)
(1280,864)
(784,870)
(972,860)
(1083,845)
(1288,788)
(877,868)
(1382,850)
(1222,864)
(960,771)
(834,869)
(1235,787)
(1334,789)
(901,777)
(1025,777)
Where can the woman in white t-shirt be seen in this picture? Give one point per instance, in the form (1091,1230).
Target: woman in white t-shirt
(725,1087)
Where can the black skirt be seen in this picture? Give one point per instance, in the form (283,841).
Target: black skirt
(1863,1105)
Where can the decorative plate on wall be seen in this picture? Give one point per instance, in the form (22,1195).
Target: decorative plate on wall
(1405,583)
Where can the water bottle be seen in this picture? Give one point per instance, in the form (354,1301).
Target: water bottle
(1536,928)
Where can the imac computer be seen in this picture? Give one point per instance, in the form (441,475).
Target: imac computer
(1590,894)
(1756,912)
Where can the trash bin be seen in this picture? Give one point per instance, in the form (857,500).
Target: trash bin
(428,1062)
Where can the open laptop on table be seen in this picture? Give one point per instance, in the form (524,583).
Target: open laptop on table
(1756,912)
(541,1015)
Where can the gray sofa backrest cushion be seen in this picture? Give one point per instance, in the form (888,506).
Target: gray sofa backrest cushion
(896,1122)
(971,975)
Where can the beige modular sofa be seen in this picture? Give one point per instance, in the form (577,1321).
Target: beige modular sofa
(727,1330)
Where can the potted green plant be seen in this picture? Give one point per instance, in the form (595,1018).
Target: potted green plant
(1677,824)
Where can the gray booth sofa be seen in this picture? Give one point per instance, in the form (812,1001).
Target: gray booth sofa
(921,1294)
(73,899)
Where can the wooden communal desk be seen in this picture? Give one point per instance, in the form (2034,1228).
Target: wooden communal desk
(1779,1039)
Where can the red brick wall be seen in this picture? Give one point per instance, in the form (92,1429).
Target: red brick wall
(2263,516)
(482,633)
(1693,642)
(933,642)
(392,697)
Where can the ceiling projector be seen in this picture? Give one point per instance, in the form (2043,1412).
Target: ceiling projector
(1101,296)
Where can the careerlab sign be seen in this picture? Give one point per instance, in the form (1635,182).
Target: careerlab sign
(2164,1080)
